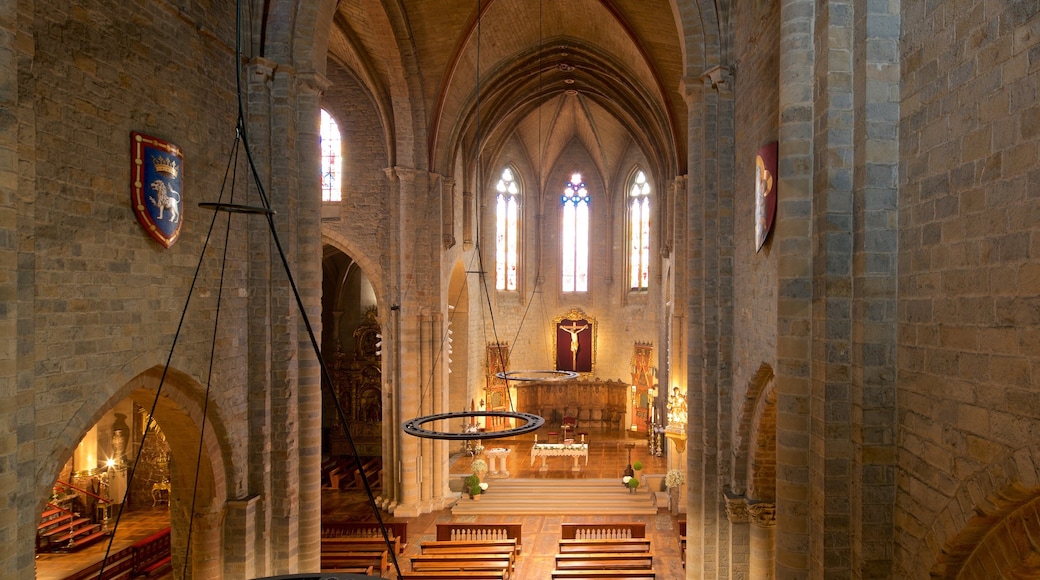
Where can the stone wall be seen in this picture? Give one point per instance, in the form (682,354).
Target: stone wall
(968,278)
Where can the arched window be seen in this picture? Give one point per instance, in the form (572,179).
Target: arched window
(331,158)
(575,236)
(507,235)
(639,231)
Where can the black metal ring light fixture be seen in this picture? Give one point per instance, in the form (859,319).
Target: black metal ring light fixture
(414,426)
(537,375)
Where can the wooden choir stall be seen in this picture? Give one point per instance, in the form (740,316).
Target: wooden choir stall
(595,404)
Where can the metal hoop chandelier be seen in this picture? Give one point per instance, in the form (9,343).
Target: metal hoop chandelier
(414,426)
(536,375)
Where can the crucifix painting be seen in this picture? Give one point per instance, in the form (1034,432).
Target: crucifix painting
(575,342)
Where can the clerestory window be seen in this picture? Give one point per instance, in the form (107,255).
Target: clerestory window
(575,236)
(639,231)
(331,158)
(507,235)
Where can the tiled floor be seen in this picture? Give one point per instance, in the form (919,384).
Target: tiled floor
(133,526)
(608,456)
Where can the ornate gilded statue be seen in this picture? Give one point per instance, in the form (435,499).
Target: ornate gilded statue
(676,410)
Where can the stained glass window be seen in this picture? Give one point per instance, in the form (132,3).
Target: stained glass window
(507,236)
(575,236)
(331,158)
(639,232)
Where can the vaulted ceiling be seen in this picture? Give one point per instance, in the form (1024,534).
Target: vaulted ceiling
(606,73)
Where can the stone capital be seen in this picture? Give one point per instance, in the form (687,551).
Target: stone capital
(763,514)
(719,78)
(262,68)
(736,508)
(314,82)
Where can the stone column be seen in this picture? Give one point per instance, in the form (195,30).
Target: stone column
(258,74)
(740,540)
(792,247)
(762,516)
(240,538)
(309,281)
(418,368)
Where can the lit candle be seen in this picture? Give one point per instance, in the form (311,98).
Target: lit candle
(582,437)
(536,439)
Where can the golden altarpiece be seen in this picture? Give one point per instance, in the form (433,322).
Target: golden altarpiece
(357,383)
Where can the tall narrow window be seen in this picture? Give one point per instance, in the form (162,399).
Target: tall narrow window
(507,236)
(639,232)
(575,236)
(331,158)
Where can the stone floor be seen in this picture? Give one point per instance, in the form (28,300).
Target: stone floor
(609,453)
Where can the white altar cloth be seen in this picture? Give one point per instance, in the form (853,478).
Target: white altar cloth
(575,450)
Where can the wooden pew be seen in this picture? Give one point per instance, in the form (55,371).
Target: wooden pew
(354,560)
(470,547)
(604,575)
(371,470)
(372,544)
(369,571)
(571,531)
(605,545)
(682,542)
(605,561)
(470,575)
(469,531)
(462,563)
(396,530)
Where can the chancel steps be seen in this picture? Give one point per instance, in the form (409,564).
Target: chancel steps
(557,496)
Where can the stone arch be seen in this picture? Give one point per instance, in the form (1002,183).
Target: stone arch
(755,449)
(179,411)
(368,265)
(997,511)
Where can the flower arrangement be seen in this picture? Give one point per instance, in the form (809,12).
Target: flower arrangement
(479,467)
(674,478)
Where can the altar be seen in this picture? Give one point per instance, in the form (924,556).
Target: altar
(575,450)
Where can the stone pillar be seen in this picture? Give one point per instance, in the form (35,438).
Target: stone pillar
(418,365)
(258,74)
(240,538)
(874,275)
(309,280)
(694,92)
(740,540)
(762,563)
(792,246)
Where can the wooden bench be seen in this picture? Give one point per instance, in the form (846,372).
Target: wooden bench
(373,544)
(682,542)
(605,560)
(462,562)
(604,574)
(625,530)
(342,560)
(504,547)
(605,545)
(466,531)
(470,575)
(397,531)
(369,571)
(371,470)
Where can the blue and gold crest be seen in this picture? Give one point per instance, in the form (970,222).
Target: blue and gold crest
(157,171)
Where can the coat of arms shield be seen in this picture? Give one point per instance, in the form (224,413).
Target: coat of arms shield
(157,171)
